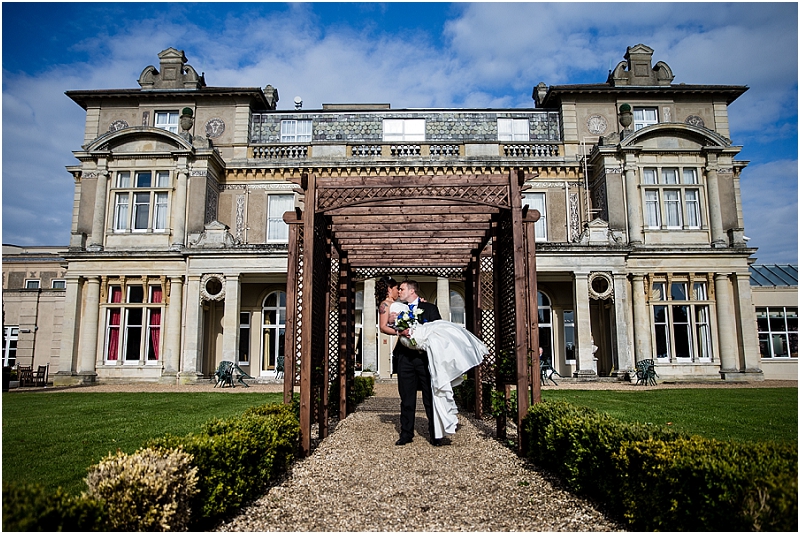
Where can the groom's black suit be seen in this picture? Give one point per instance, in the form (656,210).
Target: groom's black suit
(413,375)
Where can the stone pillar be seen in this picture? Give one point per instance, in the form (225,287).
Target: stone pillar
(714,206)
(193,333)
(443,297)
(625,360)
(747,325)
(87,347)
(726,326)
(634,199)
(67,363)
(179,212)
(369,331)
(230,322)
(99,217)
(643,347)
(172,347)
(583,327)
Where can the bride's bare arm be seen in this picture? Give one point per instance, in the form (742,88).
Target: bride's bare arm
(384,319)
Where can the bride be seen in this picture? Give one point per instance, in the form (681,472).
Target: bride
(452,351)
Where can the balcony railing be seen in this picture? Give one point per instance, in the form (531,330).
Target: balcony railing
(280,151)
(530,150)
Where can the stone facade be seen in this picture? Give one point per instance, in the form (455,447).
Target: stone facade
(178,254)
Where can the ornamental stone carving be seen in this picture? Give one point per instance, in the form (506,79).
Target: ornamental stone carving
(212,287)
(117,125)
(694,120)
(215,127)
(597,124)
(601,286)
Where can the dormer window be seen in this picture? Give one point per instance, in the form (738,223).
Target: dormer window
(644,117)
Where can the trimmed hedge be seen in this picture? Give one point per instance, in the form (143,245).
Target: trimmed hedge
(32,507)
(656,479)
(236,458)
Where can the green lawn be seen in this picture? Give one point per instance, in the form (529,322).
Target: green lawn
(51,438)
(744,414)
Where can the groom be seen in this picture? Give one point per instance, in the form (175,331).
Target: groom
(412,369)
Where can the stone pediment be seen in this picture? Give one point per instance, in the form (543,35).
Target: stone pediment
(597,232)
(215,235)
(173,73)
(139,139)
(675,136)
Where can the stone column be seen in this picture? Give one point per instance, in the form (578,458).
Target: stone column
(643,347)
(230,322)
(634,199)
(172,348)
(443,297)
(87,347)
(583,327)
(369,331)
(67,363)
(99,217)
(726,326)
(193,333)
(747,325)
(179,212)
(622,325)
(714,205)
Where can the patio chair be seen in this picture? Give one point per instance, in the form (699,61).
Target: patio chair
(40,376)
(279,367)
(646,373)
(224,374)
(241,375)
(547,372)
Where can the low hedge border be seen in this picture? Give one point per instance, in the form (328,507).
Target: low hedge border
(235,459)
(656,479)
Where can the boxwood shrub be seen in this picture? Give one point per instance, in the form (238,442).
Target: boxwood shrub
(657,479)
(32,507)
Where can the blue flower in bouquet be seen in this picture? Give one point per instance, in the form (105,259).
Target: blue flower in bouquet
(407,319)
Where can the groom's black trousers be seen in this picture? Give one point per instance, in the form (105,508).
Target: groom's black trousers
(413,375)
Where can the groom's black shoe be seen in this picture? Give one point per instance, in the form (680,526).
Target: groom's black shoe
(403,441)
(436,442)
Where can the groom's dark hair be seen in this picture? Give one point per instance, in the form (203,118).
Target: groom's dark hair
(413,285)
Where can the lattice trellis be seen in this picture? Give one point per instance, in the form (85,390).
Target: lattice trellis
(334,197)
(298,327)
(486,287)
(333,321)
(362,273)
(319,323)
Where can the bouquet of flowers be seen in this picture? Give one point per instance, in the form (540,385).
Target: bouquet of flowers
(407,319)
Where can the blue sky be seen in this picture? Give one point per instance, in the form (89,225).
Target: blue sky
(412,55)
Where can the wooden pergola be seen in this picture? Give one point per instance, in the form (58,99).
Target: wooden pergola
(352,227)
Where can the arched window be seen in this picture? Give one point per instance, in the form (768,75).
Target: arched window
(457,308)
(273,329)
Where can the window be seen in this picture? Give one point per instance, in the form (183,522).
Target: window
(546,328)
(58,284)
(675,207)
(569,335)
(244,338)
(293,131)
(681,320)
(457,309)
(513,130)
(277,229)
(536,201)
(777,332)
(141,201)
(644,117)
(32,284)
(403,129)
(273,329)
(133,327)
(10,338)
(167,120)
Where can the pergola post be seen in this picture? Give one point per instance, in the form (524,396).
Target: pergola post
(520,298)
(529,218)
(293,277)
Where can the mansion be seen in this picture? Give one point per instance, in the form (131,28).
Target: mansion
(178,252)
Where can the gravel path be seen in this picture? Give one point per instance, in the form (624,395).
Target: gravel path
(358,480)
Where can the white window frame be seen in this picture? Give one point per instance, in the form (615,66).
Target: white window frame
(570,325)
(644,116)
(786,333)
(244,328)
(139,194)
(697,325)
(62,284)
(167,120)
(403,130)
(270,361)
(10,336)
(33,283)
(277,205)
(652,209)
(659,202)
(538,201)
(296,131)
(513,130)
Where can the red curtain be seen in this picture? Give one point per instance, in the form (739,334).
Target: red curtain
(156,294)
(113,333)
(155,330)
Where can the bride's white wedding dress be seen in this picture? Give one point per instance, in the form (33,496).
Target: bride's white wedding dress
(452,351)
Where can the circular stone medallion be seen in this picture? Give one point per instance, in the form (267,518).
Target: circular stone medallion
(597,124)
(214,128)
